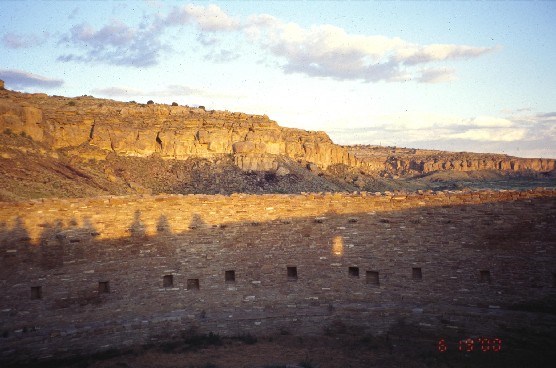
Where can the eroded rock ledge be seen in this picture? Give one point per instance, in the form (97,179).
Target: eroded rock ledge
(173,132)
(92,128)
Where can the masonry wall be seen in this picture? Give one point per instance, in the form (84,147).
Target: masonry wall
(79,276)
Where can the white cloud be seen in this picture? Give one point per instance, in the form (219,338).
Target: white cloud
(116,43)
(118,92)
(491,134)
(319,51)
(19,79)
(207,18)
(164,93)
(22,41)
(414,54)
(489,122)
(168,91)
(221,56)
(433,75)
(530,135)
(329,51)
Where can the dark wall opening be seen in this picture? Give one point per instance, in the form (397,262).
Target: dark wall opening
(168,281)
(292,273)
(372,277)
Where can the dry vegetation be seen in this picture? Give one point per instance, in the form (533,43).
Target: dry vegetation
(340,346)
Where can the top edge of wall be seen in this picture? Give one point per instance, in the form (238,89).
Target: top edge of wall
(308,195)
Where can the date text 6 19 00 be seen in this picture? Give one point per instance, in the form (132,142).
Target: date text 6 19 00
(468,345)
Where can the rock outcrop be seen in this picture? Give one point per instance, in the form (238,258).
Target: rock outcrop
(93,128)
(409,162)
(173,132)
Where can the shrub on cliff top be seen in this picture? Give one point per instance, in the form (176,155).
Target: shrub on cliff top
(150,102)
(174,104)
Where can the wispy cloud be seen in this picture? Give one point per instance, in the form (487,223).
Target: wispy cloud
(319,51)
(433,75)
(549,116)
(329,51)
(73,13)
(207,39)
(174,91)
(22,41)
(491,134)
(171,90)
(481,133)
(411,54)
(207,18)
(119,92)
(221,56)
(115,43)
(18,79)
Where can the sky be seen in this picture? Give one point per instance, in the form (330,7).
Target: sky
(458,76)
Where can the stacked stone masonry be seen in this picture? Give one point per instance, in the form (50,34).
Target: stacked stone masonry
(79,276)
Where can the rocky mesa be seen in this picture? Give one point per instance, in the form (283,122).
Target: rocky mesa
(404,161)
(180,132)
(54,146)
(173,132)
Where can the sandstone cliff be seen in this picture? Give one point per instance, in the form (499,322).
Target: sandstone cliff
(173,132)
(92,128)
(402,161)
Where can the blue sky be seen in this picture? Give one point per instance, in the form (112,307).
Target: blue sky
(461,76)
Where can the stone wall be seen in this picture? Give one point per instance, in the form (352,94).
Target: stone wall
(83,275)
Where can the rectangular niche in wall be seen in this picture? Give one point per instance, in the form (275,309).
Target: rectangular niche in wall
(353,271)
(372,277)
(103,287)
(416,273)
(484,276)
(230,276)
(168,281)
(292,273)
(36,292)
(192,284)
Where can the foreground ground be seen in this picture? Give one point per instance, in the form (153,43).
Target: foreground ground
(405,346)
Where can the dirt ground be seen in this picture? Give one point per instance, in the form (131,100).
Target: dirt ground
(288,351)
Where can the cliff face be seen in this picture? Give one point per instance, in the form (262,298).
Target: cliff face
(173,132)
(87,127)
(403,161)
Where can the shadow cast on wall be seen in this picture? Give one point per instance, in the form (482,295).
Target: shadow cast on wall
(367,269)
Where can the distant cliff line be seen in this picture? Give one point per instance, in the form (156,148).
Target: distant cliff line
(93,128)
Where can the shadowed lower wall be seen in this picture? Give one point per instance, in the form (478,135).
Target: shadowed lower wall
(83,275)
